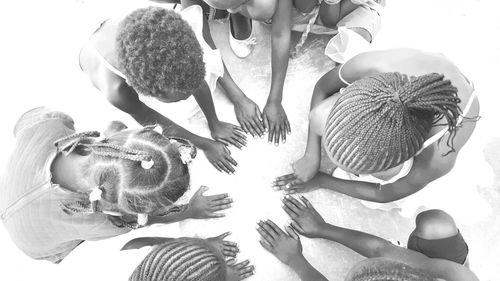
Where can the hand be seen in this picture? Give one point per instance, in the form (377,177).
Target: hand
(284,246)
(249,116)
(290,184)
(226,248)
(220,157)
(204,207)
(305,219)
(238,271)
(306,167)
(276,122)
(228,134)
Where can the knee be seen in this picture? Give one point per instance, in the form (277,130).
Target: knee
(435,224)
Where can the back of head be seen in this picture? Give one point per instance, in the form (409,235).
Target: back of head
(381,121)
(179,260)
(381,269)
(224,4)
(135,171)
(159,54)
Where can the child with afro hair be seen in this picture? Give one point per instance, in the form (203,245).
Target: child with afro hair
(155,56)
(385,261)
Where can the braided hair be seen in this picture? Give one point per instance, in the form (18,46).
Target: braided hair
(116,167)
(384,270)
(179,260)
(382,120)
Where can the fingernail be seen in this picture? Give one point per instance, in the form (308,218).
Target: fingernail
(276,144)
(270,142)
(284,141)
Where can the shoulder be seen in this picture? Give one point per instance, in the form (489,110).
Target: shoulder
(448,270)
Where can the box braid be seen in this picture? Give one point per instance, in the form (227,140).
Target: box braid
(179,260)
(383,120)
(387,270)
(114,166)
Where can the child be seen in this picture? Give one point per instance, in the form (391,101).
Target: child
(360,16)
(155,56)
(61,188)
(385,260)
(179,259)
(391,121)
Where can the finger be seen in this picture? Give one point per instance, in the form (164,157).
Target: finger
(307,203)
(270,134)
(282,181)
(223,141)
(291,176)
(243,125)
(244,272)
(218,197)
(291,205)
(295,202)
(247,128)
(277,131)
(264,233)
(224,235)
(223,167)
(258,121)
(296,227)
(228,167)
(274,233)
(292,232)
(242,264)
(239,140)
(231,248)
(234,142)
(265,123)
(231,160)
(229,254)
(283,133)
(290,212)
(256,126)
(239,131)
(216,215)
(276,228)
(231,262)
(267,246)
(215,203)
(287,125)
(216,166)
(220,207)
(201,190)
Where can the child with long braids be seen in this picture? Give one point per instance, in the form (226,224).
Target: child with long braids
(391,122)
(359,17)
(61,188)
(155,56)
(385,261)
(179,259)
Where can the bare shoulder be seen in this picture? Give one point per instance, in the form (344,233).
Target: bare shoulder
(448,270)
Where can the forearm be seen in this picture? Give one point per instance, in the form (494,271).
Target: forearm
(306,271)
(204,99)
(184,213)
(231,90)
(357,189)
(279,63)
(362,243)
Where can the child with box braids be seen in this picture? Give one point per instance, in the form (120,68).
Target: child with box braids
(391,122)
(62,188)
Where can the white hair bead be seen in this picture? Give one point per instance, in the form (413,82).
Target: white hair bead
(147,164)
(95,194)
(142,219)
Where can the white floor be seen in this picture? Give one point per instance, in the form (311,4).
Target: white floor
(40,43)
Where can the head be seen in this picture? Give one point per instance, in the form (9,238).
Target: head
(159,54)
(382,120)
(382,269)
(136,172)
(182,259)
(233,6)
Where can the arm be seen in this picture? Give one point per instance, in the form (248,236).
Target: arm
(306,271)
(138,243)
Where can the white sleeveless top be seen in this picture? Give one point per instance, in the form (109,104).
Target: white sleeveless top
(408,164)
(214,67)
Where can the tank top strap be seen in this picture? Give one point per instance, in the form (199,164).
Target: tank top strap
(103,60)
(341,77)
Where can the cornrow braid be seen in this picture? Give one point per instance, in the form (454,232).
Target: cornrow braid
(179,260)
(387,270)
(382,120)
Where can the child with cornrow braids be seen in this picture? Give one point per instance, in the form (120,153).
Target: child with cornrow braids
(179,259)
(391,121)
(62,188)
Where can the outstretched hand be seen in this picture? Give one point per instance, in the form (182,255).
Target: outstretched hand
(276,122)
(249,116)
(284,246)
(290,184)
(219,156)
(204,207)
(227,248)
(228,134)
(238,271)
(305,219)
